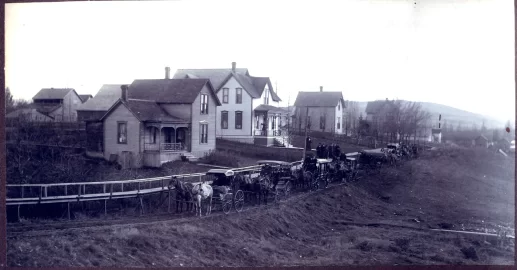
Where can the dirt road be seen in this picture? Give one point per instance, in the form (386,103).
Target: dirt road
(442,189)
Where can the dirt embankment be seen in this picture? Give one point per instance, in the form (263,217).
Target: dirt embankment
(313,229)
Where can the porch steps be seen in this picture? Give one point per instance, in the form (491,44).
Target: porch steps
(191,157)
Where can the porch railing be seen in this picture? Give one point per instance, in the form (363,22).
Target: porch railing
(165,147)
(269,133)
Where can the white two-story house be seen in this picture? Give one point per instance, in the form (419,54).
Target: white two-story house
(250,108)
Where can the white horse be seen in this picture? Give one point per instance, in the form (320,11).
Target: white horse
(202,192)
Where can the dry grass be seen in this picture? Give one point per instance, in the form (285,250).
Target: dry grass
(311,229)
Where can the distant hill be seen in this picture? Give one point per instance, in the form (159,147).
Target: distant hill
(452,115)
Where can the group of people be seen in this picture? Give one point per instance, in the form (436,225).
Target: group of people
(332,151)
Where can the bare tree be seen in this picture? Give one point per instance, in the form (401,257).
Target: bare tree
(352,117)
(9,102)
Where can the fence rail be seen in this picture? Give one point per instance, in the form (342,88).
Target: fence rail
(104,190)
(166,147)
(269,133)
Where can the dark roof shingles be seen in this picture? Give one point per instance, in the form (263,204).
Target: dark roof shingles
(318,99)
(52,93)
(179,91)
(104,99)
(147,110)
(216,76)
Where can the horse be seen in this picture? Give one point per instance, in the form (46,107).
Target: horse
(262,185)
(183,193)
(202,192)
(304,178)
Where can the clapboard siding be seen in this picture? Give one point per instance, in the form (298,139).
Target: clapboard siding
(199,149)
(111,146)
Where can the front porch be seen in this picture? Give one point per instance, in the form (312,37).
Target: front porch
(165,142)
(267,127)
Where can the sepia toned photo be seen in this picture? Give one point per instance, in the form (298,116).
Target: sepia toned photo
(248,133)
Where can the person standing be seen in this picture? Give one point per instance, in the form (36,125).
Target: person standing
(308,143)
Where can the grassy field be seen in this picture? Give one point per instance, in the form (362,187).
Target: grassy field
(448,187)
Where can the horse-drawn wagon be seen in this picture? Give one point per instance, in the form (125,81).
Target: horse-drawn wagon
(280,174)
(226,189)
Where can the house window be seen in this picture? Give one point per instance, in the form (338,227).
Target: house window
(203,134)
(257,121)
(273,122)
(339,107)
(153,134)
(322,122)
(122,133)
(266,97)
(225,95)
(204,104)
(238,120)
(339,123)
(238,96)
(224,119)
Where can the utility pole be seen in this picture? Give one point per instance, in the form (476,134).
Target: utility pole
(306,125)
(288,118)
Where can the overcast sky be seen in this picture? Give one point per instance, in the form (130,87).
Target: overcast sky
(456,53)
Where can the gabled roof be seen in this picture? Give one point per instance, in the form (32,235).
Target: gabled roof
(176,91)
(52,93)
(318,99)
(260,83)
(84,98)
(104,99)
(218,77)
(481,137)
(269,108)
(145,111)
(377,105)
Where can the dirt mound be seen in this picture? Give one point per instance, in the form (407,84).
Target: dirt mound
(309,228)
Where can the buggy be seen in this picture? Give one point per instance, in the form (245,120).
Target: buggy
(226,189)
(372,159)
(322,174)
(281,174)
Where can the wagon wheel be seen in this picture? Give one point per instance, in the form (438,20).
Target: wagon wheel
(226,203)
(325,181)
(315,185)
(239,201)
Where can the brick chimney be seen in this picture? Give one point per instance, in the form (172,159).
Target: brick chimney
(321,88)
(167,72)
(124,92)
(234,66)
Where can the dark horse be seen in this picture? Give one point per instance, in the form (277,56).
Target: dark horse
(257,188)
(183,194)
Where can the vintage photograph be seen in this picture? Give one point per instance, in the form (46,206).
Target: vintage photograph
(250,133)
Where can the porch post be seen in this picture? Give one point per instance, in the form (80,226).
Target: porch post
(160,138)
(175,134)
